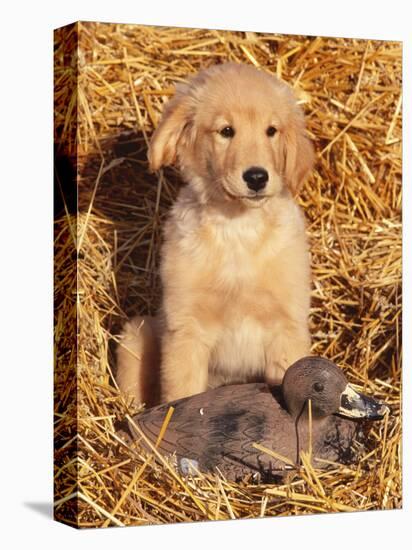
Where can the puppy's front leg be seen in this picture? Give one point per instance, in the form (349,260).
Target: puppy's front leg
(185,363)
(288,344)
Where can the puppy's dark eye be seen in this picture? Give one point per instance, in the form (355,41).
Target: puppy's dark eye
(227,132)
(271,131)
(318,386)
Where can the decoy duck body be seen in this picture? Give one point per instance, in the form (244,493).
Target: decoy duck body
(216,429)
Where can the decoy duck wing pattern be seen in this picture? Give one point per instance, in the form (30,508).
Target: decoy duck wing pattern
(217,429)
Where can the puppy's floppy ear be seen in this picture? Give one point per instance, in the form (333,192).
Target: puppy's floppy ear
(298,154)
(174,126)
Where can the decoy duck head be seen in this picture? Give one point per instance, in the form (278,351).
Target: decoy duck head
(319,380)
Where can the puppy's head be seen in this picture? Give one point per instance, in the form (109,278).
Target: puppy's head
(236,133)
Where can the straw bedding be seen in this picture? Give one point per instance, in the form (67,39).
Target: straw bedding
(351,93)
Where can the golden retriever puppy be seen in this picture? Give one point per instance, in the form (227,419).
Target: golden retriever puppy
(234,263)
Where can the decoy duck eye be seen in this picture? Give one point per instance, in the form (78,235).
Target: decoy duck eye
(318,386)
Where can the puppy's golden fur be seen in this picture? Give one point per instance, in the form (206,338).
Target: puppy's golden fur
(235,262)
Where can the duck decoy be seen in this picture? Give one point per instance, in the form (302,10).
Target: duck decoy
(217,429)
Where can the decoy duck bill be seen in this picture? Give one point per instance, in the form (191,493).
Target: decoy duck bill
(357,405)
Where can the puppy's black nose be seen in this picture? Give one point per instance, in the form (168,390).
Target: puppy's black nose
(256,178)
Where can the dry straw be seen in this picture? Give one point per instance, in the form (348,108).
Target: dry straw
(109,96)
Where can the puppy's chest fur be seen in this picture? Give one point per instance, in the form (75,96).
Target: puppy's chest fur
(229,257)
(226,270)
